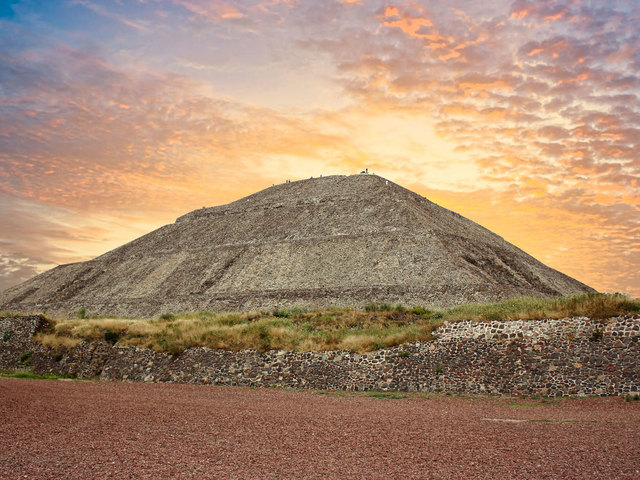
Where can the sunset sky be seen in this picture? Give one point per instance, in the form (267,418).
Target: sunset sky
(118,116)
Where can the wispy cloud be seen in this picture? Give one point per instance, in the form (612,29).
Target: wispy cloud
(211,10)
(102,10)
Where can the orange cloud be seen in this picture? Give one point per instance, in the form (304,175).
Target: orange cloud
(212,10)
(488,114)
(556,16)
(484,83)
(410,23)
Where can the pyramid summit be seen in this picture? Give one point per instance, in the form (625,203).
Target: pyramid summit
(337,240)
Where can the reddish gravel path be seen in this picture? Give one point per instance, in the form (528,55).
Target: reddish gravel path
(56,430)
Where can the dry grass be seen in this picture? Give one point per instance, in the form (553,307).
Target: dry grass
(300,331)
(593,305)
(55,342)
(377,327)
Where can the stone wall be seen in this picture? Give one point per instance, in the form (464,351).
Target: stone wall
(575,356)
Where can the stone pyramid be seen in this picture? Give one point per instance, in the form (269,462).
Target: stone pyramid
(337,240)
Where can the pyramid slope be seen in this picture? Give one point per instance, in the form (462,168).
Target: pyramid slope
(339,240)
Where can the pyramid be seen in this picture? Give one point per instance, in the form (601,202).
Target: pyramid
(330,241)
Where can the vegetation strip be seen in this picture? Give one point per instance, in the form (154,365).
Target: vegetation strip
(378,326)
(36,376)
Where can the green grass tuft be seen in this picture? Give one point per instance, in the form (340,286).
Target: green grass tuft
(36,376)
(25,358)
(387,395)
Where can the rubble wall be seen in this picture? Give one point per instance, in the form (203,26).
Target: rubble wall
(572,356)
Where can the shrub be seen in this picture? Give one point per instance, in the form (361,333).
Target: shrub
(111,336)
(381,307)
(265,340)
(167,316)
(25,358)
(307,327)
(632,397)
(404,354)
(281,313)
(254,335)
(81,313)
(420,311)
(298,310)
(230,320)
(6,335)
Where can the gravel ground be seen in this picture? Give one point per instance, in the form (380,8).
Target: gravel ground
(85,430)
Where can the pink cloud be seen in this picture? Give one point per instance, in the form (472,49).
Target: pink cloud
(211,10)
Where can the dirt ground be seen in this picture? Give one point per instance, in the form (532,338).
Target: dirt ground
(97,430)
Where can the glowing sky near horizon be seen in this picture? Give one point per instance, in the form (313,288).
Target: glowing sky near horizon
(117,116)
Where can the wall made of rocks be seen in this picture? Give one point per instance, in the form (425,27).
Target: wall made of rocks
(575,356)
